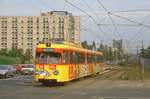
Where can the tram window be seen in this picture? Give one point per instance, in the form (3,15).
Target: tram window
(91,58)
(65,57)
(48,57)
(81,58)
(99,58)
(71,58)
(74,58)
(77,58)
(55,58)
(42,55)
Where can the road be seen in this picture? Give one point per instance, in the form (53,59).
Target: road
(22,87)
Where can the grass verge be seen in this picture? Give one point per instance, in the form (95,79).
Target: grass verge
(134,72)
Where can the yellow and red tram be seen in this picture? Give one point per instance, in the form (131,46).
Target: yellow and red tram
(63,62)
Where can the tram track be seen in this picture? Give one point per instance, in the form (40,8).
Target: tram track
(111,74)
(105,79)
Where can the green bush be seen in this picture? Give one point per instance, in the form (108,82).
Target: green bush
(7,60)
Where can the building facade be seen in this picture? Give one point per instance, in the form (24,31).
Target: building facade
(118,44)
(25,32)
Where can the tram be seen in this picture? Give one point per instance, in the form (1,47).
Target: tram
(64,62)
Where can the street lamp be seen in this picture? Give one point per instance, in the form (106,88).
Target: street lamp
(115,53)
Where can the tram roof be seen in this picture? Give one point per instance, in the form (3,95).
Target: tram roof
(67,46)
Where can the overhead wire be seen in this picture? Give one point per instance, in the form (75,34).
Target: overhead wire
(88,16)
(132,21)
(84,1)
(120,24)
(106,10)
(64,7)
(90,30)
(138,23)
(138,10)
(44,3)
(140,30)
(112,13)
(85,28)
(84,21)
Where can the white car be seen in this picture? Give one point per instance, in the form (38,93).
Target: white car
(27,69)
(7,71)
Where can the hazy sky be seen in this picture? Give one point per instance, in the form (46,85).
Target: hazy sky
(101,28)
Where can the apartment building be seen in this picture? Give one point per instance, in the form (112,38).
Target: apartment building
(25,32)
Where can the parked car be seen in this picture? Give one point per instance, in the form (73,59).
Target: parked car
(7,71)
(25,68)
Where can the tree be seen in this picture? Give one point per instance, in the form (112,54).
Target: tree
(110,54)
(15,52)
(4,52)
(145,53)
(94,45)
(84,44)
(28,56)
(102,48)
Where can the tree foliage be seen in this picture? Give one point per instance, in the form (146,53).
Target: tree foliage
(104,48)
(18,54)
(145,53)
(84,44)
(94,45)
(3,52)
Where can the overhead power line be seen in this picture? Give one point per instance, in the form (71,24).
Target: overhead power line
(137,10)
(88,16)
(127,19)
(90,8)
(81,10)
(100,3)
(141,29)
(44,3)
(119,25)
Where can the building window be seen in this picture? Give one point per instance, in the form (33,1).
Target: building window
(45,20)
(22,21)
(37,39)
(37,21)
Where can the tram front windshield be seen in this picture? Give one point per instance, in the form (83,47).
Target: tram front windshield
(48,58)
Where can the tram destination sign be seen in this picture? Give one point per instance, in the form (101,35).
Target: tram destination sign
(48,50)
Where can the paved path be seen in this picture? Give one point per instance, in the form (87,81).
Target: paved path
(90,88)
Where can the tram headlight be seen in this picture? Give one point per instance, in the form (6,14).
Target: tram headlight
(56,72)
(41,66)
(36,72)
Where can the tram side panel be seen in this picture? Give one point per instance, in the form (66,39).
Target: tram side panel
(83,70)
(46,73)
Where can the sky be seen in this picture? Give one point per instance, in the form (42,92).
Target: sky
(124,21)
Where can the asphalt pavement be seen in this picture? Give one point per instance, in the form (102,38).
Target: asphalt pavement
(23,87)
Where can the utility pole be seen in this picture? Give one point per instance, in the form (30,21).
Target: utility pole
(116,54)
(143,61)
(138,56)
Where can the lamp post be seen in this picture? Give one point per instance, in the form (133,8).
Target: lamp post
(115,51)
